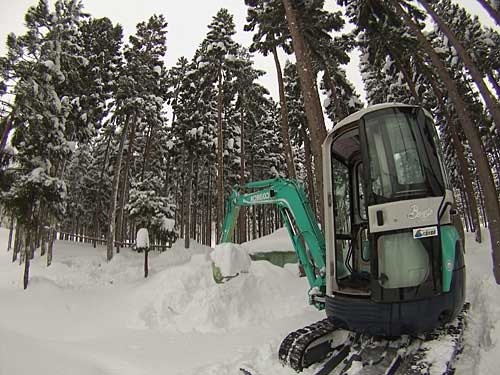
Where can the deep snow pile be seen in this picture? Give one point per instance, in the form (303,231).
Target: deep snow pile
(186,298)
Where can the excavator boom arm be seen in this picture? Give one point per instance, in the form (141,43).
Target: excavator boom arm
(294,207)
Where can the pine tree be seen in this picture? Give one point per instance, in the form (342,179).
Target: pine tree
(312,103)
(175,77)
(140,98)
(298,122)
(267,19)
(193,135)
(92,80)
(482,43)
(489,99)
(40,62)
(492,7)
(328,53)
(217,59)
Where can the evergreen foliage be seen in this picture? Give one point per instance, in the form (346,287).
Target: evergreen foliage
(99,138)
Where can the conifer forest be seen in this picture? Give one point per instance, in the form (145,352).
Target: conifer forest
(100,138)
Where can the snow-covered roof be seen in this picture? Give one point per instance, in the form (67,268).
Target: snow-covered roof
(279,240)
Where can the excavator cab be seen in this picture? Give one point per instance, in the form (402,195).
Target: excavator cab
(394,259)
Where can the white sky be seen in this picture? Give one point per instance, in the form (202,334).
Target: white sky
(187,25)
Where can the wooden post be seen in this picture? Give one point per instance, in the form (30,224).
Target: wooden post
(146,270)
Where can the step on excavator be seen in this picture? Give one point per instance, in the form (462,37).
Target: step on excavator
(388,267)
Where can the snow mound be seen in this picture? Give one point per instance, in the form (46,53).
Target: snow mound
(80,266)
(75,271)
(231,259)
(187,299)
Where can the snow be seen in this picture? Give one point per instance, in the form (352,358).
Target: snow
(231,259)
(482,338)
(84,61)
(72,146)
(168,224)
(142,239)
(276,241)
(169,144)
(83,315)
(49,64)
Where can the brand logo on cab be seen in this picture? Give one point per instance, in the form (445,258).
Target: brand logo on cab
(415,213)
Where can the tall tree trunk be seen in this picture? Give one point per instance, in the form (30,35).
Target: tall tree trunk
(242,220)
(483,210)
(6,128)
(494,83)
(476,75)
(147,151)
(491,11)
(309,172)
(285,131)
(50,250)
(188,213)
(467,179)
(99,208)
(462,161)
(220,162)
(315,120)
(124,190)
(209,200)
(340,110)
(466,210)
(17,241)
(44,238)
(254,209)
(114,191)
(195,204)
(472,134)
(11,232)
(28,251)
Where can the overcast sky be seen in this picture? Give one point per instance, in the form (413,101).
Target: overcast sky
(187,25)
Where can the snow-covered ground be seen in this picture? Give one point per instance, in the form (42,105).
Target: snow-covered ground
(83,315)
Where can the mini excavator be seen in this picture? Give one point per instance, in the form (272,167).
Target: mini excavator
(388,267)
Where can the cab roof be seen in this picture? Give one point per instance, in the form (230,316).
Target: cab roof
(357,115)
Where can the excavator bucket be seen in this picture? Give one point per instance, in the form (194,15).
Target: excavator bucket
(228,261)
(217,275)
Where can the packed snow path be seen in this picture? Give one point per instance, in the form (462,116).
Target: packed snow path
(83,315)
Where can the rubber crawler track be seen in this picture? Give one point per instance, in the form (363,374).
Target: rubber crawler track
(376,356)
(294,347)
